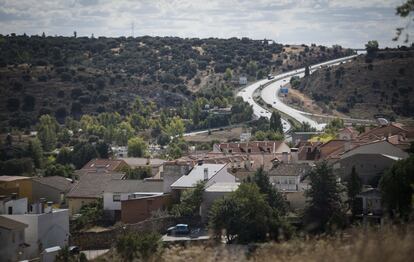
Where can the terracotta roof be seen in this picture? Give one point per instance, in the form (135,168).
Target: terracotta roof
(11,224)
(12,178)
(107,164)
(58,182)
(92,185)
(383,131)
(251,147)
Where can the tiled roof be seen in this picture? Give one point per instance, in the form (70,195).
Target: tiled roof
(251,147)
(11,224)
(107,164)
(92,185)
(58,182)
(134,186)
(290,169)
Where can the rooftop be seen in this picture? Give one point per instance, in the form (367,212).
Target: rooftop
(107,164)
(290,169)
(61,183)
(197,174)
(92,185)
(11,224)
(134,186)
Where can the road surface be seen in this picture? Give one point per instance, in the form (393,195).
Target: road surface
(270,95)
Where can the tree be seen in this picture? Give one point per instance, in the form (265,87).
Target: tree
(58,170)
(307,71)
(175,127)
(36,152)
(324,209)
(82,153)
(190,201)
(354,187)
(102,149)
(144,246)
(137,147)
(397,188)
(47,132)
(404,10)
(276,122)
(273,197)
(372,47)
(244,216)
(228,74)
(64,156)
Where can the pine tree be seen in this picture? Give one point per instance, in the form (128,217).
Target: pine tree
(354,186)
(325,208)
(36,152)
(276,122)
(47,132)
(307,71)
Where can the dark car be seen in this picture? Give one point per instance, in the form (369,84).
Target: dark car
(179,229)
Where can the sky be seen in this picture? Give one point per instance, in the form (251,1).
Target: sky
(350,23)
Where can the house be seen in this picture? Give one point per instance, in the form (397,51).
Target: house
(155,164)
(376,147)
(46,227)
(369,167)
(21,185)
(118,190)
(385,131)
(210,173)
(52,188)
(347,133)
(142,206)
(214,192)
(289,177)
(99,164)
(368,202)
(11,205)
(12,239)
(259,153)
(303,136)
(89,188)
(242,80)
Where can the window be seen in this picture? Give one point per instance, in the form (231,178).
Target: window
(116,198)
(249,150)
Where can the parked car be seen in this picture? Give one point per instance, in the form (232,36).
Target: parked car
(179,229)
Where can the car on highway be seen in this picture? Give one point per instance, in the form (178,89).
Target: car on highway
(274,102)
(179,229)
(269,76)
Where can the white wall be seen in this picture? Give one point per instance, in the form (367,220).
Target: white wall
(19,206)
(47,229)
(108,202)
(286,183)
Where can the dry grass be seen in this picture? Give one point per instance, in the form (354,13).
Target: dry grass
(389,244)
(386,244)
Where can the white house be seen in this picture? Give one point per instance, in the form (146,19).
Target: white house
(289,177)
(12,239)
(44,229)
(13,205)
(210,173)
(118,190)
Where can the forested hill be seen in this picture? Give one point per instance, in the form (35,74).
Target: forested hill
(69,76)
(379,83)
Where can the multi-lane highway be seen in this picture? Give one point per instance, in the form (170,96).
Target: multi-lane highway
(270,95)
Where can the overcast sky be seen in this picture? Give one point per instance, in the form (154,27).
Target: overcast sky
(350,23)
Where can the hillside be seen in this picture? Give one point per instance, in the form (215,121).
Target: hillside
(368,86)
(69,76)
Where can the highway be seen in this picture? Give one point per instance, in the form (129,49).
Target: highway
(270,95)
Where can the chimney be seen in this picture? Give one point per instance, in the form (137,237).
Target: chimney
(49,208)
(294,154)
(205,174)
(42,202)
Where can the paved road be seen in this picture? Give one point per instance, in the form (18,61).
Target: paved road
(270,95)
